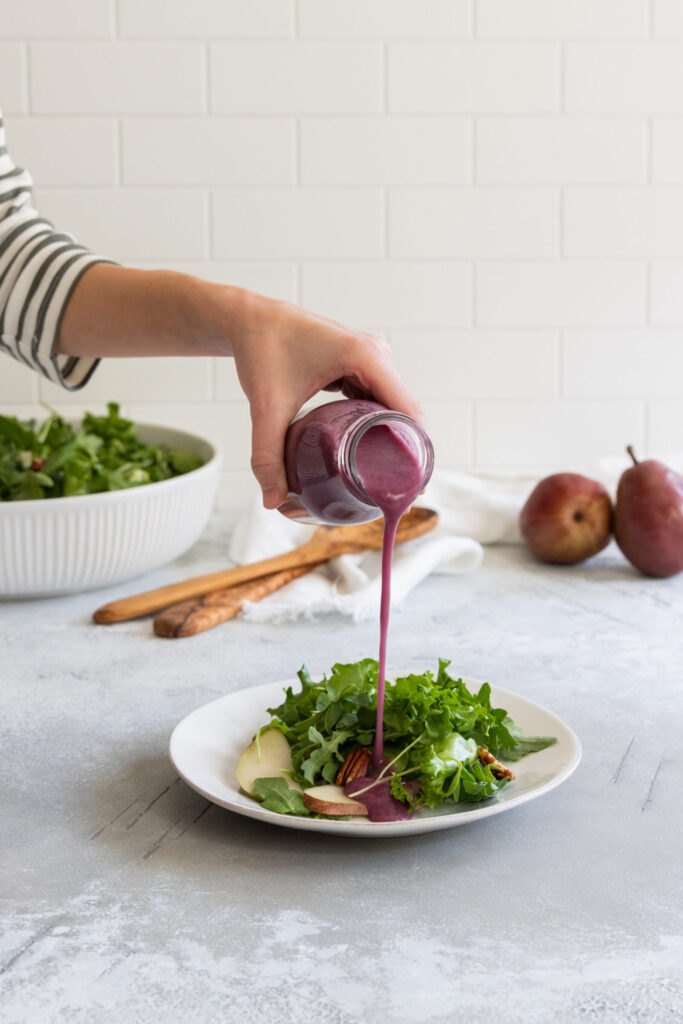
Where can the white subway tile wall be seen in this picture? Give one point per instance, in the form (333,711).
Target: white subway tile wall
(205,19)
(67,151)
(192,151)
(495,186)
(13,78)
(298,223)
(132,224)
(668,18)
(395,294)
(473,223)
(563,18)
(385,150)
(474,77)
(384,19)
(667,150)
(624,77)
(117,78)
(307,77)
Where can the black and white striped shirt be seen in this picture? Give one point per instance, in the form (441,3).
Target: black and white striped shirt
(39,268)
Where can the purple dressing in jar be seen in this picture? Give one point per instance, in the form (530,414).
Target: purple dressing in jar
(334,459)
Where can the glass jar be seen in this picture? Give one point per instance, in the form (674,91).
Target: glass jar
(329,483)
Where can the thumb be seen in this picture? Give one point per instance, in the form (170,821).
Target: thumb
(267,455)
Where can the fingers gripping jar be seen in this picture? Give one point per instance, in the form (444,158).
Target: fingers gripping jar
(353,460)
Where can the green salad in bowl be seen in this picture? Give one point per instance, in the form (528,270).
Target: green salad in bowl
(85,504)
(57,459)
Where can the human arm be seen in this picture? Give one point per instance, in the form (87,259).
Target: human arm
(283,354)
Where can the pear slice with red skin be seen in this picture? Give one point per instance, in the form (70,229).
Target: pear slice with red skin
(332,800)
(267,757)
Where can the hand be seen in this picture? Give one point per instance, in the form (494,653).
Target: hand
(284,355)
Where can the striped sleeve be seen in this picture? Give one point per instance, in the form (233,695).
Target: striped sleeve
(39,269)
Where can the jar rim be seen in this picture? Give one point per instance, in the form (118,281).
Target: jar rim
(355,431)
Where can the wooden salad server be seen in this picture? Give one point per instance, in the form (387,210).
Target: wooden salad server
(201,613)
(327,542)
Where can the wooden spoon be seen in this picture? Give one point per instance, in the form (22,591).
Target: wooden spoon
(327,542)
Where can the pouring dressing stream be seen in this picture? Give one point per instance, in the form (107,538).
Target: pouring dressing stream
(393,477)
(352,461)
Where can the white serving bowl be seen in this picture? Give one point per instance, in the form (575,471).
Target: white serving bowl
(61,545)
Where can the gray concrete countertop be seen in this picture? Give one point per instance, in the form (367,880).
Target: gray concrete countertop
(128,898)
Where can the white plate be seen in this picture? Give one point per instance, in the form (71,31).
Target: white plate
(206,746)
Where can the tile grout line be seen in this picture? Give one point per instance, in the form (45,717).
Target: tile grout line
(118,151)
(473,136)
(207,98)
(27,78)
(296,151)
(560,349)
(210,241)
(562,192)
(298,282)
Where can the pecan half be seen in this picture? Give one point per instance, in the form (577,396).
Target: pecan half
(355,766)
(499,770)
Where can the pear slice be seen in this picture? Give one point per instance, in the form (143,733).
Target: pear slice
(268,758)
(332,800)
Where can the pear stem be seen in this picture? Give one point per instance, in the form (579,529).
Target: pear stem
(629,449)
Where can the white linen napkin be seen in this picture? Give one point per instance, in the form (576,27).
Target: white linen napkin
(474,509)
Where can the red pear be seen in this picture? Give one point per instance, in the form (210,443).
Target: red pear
(567,518)
(648,522)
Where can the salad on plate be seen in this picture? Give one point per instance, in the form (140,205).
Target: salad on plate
(443,745)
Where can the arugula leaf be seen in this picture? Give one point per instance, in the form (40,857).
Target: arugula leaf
(277,796)
(324,757)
